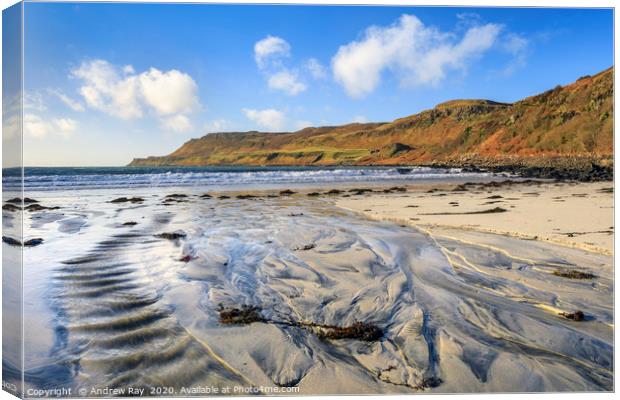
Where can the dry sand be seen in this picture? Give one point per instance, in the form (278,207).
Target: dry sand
(577,215)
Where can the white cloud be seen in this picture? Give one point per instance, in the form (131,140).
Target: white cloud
(269,118)
(11,126)
(360,119)
(417,54)
(68,101)
(286,81)
(123,93)
(302,124)
(317,70)
(218,125)
(11,115)
(104,88)
(517,46)
(64,126)
(170,92)
(37,127)
(34,101)
(178,123)
(268,54)
(271,47)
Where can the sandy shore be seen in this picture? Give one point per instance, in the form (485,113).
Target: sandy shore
(139,289)
(571,214)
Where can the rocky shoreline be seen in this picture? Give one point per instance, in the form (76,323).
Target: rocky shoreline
(581,169)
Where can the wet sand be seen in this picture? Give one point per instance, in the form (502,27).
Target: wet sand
(130,293)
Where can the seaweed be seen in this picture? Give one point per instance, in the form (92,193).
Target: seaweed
(573,274)
(305,247)
(11,207)
(359,330)
(244,315)
(171,235)
(575,316)
(128,200)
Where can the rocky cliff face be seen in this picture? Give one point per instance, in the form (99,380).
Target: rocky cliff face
(574,122)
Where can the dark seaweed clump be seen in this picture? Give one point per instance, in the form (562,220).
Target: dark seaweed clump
(249,314)
(171,235)
(576,316)
(305,247)
(11,207)
(359,330)
(28,243)
(27,200)
(573,274)
(128,200)
(38,207)
(244,315)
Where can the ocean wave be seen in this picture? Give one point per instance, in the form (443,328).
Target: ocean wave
(61,179)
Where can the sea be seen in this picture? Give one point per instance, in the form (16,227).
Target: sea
(63,178)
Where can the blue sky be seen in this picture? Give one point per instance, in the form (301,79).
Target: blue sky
(108,82)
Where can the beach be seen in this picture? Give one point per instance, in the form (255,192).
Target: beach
(335,289)
(570,214)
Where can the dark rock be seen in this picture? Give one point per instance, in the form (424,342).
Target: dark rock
(576,316)
(430,382)
(360,191)
(38,207)
(171,235)
(314,194)
(33,242)
(286,192)
(10,241)
(11,207)
(176,196)
(397,189)
(28,243)
(305,247)
(334,191)
(18,200)
(128,200)
(206,196)
(130,223)
(224,197)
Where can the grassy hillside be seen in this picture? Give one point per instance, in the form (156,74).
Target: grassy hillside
(574,122)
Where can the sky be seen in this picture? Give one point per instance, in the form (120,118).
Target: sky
(105,83)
